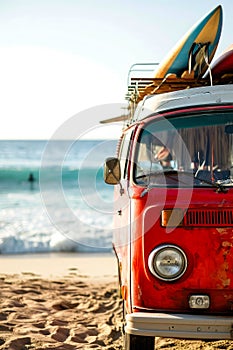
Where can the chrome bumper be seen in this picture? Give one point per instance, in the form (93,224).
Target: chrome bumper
(179,325)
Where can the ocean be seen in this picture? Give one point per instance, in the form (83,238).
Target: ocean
(53,197)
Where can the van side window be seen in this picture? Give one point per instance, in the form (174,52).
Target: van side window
(124,154)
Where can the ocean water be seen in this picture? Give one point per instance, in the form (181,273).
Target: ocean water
(67,206)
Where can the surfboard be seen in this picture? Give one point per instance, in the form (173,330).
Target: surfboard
(223,64)
(195,47)
(120,118)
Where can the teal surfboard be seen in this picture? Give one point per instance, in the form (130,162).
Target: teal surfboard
(195,50)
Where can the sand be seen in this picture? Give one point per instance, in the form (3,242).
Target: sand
(67,301)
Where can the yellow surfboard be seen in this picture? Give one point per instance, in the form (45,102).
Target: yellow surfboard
(195,50)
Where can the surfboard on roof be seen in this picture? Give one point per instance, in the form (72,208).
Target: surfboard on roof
(223,64)
(195,47)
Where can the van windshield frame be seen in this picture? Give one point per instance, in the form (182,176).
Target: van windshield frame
(188,150)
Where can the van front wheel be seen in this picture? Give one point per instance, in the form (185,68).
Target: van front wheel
(138,342)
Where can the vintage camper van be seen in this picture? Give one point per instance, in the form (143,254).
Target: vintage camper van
(173,214)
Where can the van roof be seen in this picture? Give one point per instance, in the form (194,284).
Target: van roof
(199,96)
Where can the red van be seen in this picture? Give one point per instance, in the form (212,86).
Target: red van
(173,221)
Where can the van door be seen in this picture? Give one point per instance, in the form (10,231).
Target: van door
(121,236)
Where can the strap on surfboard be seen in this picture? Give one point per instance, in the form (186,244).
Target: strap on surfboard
(198,56)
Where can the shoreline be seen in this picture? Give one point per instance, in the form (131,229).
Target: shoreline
(94,266)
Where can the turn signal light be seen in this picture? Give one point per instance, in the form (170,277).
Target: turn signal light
(172,217)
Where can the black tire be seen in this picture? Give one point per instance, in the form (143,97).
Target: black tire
(138,342)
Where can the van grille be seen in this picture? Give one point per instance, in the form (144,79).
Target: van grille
(209,217)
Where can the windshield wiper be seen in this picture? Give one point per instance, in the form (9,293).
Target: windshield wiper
(219,187)
(166,172)
(155,173)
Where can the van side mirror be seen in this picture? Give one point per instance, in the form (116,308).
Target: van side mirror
(112,171)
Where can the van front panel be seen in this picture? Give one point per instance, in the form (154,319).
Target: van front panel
(181,194)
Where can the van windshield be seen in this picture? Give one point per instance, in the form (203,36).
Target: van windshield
(190,150)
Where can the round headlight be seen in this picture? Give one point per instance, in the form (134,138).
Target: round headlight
(167,262)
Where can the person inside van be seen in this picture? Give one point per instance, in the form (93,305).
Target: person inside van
(164,157)
(153,155)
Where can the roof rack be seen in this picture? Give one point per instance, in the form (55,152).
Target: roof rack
(144,84)
(142,70)
(141,87)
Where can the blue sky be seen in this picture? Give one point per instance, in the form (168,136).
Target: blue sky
(59,57)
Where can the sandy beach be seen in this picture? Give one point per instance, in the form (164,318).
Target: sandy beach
(67,301)
(59,301)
